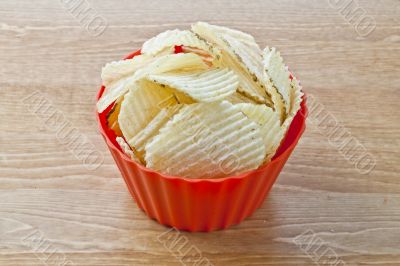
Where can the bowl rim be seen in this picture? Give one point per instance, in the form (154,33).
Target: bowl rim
(303,112)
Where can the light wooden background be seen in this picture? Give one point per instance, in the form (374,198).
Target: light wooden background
(89,217)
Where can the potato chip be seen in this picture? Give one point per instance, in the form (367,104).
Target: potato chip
(111,94)
(168,39)
(237,97)
(279,75)
(295,100)
(139,141)
(183,62)
(270,127)
(249,84)
(141,104)
(205,86)
(251,57)
(128,151)
(117,70)
(206,140)
(276,98)
(179,62)
(238,35)
(115,75)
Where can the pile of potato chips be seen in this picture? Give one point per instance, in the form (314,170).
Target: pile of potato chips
(219,107)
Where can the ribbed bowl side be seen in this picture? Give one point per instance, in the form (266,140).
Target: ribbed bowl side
(198,206)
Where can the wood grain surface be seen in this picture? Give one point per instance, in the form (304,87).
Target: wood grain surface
(54,211)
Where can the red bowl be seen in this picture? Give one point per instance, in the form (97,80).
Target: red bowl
(200,204)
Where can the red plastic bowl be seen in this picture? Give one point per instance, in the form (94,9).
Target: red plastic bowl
(200,204)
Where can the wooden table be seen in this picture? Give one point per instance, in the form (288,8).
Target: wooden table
(53,209)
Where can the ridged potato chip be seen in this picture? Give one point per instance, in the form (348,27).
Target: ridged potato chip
(115,75)
(237,97)
(112,93)
(206,140)
(249,85)
(206,86)
(295,100)
(270,126)
(117,70)
(251,57)
(179,62)
(238,35)
(168,39)
(280,76)
(142,103)
(166,63)
(276,98)
(139,141)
